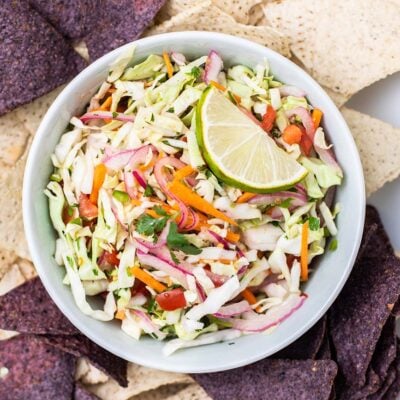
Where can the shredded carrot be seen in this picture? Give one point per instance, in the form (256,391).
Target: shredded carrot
(232,236)
(218,85)
(316,117)
(145,167)
(100,172)
(292,134)
(136,202)
(245,197)
(249,296)
(183,172)
(304,252)
(120,315)
(106,104)
(194,200)
(146,278)
(168,64)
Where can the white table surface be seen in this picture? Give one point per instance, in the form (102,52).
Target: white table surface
(382,100)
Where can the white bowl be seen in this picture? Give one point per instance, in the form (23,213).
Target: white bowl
(332,269)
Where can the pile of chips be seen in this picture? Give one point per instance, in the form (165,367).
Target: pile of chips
(351,353)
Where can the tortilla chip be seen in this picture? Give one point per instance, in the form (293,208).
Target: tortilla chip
(36,58)
(175,392)
(88,374)
(133,18)
(32,114)
(358,315)
(14,138)
(346,45)
(12,236)
(257,16)
(307,346)
(81,346)
(73,18)
(27,269)
(276,379)
(389,380)
(29,309)
(394,389)
(325,351)
(10,280)
(81,393)
(379,147)
(35,371)
(238,9)
(353,392)
(7,258)
(207,17)
(140,379)
(5,335)
(386,349)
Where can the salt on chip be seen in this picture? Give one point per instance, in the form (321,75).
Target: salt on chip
(34,57)
(276,379)
(29,309)
(307,346)
(207,17)
(35,371)
(379,147)
(81,346)
(120,22)
(346,45)
(140,379)
(363,307)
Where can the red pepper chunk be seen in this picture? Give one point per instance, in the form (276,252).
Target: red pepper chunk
(171,300)
(86,208)
(111,258)
(268,118)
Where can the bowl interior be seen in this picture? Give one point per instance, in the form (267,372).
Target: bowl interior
(331,271)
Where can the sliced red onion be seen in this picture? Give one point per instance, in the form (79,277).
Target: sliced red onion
(217,279)
(219,239)
(242,270)
(141,246)
(213,67)
(157,263)
(261,322)
(130,184)
(139,178)
(140,156)
(306,119)
(287,90)
(200,292)
(162,239)
(301,189)
(232,310)
(148,325)
(195,220)
(117,217)
(298,199)
(178,58)
(106,115)
(118,160)
(275,213)
(325,152)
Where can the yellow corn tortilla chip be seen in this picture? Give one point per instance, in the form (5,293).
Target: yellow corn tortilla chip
(7,258)
(207,17)
(5,335)
(27,269)
(346,45)
(256,15)
(31,114)
(379,147)
(13,137)
(11,279)
(89,374)
(11,226)
(172,8)
(140,379)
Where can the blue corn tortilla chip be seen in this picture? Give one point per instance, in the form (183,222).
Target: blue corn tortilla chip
(81,346)
(272,379)
(80,393)
(29,309)
(393,390)
(361,310)
(307,346)
(389,380)
(120,22)
(36,371)
(34,57)
(371,386)
(386,348)
(72,18)
(324,352)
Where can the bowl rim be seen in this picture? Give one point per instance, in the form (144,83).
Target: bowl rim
(29,176)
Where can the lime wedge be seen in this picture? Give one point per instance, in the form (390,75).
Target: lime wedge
(239,151)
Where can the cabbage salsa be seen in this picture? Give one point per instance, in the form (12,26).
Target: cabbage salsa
(147,226)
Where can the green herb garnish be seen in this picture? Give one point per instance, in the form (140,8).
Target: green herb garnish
(148,226)
(121,196)
(333,245)
(177,241)
(313,223)
(148,191)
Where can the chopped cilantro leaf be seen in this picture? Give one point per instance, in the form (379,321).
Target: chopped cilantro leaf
(285,203)
(173,256)
(160,211)
(148,191)
(195,72)
(171,110)
(177,241)
(148,226)
(313,223)
(114,114)
(151,305)
(333,245)
(76,221)
(275,223)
